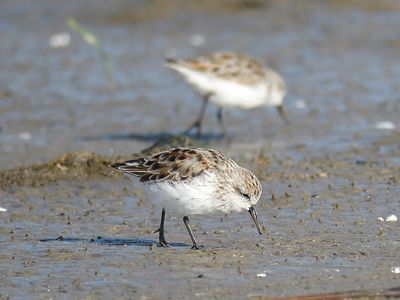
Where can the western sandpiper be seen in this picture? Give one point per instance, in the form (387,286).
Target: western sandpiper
(195,181)
(231,80)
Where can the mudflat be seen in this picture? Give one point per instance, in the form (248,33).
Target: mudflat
(76,229)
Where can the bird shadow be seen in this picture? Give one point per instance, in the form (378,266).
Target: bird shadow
(113,241)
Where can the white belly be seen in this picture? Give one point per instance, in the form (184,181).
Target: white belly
(226,93)
(232,94)
(194,198)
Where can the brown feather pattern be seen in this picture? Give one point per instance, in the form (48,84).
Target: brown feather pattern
(226,65)
(177,164)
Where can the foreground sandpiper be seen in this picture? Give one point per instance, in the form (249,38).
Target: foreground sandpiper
(195,181)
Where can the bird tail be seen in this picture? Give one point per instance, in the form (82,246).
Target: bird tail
(117,166)
(133,167)
(172,63)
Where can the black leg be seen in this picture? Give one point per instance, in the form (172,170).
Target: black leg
(161,237)
(283,114)
(197,124)
(221,121)
(186,221)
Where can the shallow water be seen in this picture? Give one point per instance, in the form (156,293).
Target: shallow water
(326,178)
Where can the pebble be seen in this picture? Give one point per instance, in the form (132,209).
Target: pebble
(60,40)
(395,270)
(385,125)
(197,40)
(25,136)
(391,218)
(300,104)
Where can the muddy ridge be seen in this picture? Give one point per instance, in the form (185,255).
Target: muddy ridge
(70,166)
(80,165)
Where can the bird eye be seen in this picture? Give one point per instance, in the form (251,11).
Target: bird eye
(246,196)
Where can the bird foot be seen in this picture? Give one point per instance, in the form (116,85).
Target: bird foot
(164,244)
(197,126)
(197,247)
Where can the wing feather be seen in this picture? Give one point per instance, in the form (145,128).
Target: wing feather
(225,65)
(176,164)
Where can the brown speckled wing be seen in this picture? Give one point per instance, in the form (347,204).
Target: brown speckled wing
(230,66)
(178,164)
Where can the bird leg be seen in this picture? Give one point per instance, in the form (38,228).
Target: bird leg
(197,124)
(161,237)
(186,221)
(283,114)
(221,121)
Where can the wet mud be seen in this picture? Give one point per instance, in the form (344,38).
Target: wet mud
(76,229)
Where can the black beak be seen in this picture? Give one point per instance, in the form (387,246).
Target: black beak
(283,114)
(253,214)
